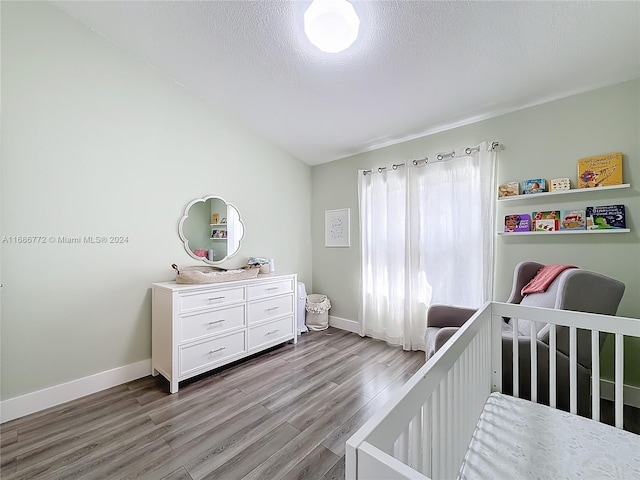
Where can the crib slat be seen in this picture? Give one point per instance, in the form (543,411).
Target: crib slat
(427,429)
(619,379)
(595,375)
(478,364)
(442,461)
(470,380)
(400,450)
(534,362)
(493,363)
(514,360)
(489,360)
(455,410)
(468,390)
(573,371)
(449,428)
(415,442)
(462,405)
(436,456)
(552,365)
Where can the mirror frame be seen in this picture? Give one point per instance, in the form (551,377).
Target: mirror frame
(185,240)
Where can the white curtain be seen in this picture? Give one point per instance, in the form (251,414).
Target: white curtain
(427,237)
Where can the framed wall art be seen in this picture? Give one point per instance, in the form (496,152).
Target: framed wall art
(337,231)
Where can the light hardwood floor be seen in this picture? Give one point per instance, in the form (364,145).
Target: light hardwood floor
(285,414)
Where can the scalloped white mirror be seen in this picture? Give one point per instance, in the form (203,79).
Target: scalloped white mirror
(211,229)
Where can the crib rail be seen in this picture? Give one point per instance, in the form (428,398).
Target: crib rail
(596,324)
(425,428)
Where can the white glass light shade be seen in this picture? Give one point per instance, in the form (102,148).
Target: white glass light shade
(331,25)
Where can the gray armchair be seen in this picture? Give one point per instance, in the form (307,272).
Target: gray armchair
(573,289)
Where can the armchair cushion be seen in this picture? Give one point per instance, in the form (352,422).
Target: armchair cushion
(545,299)
(436,337)
(448,315)
(442,322)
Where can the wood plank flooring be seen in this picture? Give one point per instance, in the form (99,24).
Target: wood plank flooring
(285,414)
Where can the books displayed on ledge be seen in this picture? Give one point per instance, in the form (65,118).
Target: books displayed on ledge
(517,223)
(601,170)
(546,221)
(510,189)
(593,172)
(605,217)
(573,220)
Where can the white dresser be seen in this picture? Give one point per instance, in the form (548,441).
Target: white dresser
(196,328)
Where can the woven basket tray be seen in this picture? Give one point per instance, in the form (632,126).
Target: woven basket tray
(210,274)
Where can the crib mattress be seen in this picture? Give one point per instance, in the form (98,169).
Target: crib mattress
(518,439)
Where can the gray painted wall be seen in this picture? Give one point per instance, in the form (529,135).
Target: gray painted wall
(95,142)
(542,141)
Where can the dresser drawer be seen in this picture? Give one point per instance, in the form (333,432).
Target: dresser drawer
(270,308)
(270,289)
(212,351)
(200,299)
(270,332)
(193,326)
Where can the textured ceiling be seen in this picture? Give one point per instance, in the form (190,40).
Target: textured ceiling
(416,68)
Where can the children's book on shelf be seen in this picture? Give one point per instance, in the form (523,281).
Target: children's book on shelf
(510,189)
(573,220)
(534,185)
(520,222)
(548,221)
(606,217)
(600,170)
(556,184)
(546,225)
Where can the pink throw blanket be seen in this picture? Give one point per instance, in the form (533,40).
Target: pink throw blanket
(543,278)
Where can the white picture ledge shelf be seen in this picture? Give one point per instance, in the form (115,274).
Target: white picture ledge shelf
(532,196)
(565,232)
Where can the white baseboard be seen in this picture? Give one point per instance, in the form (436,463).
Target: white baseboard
(344,324)
(50,397)
(630,393)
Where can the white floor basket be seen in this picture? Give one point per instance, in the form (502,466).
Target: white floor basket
(317,307)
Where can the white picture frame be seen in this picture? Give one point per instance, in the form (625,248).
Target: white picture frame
(337,228)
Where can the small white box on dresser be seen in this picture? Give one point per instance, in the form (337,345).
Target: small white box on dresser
(197,328)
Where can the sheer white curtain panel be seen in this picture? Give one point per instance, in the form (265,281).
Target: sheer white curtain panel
(426,237)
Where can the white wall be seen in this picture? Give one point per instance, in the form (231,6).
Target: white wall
(543,141)
(96,143)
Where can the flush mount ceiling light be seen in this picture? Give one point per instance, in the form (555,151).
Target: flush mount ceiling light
(331,25)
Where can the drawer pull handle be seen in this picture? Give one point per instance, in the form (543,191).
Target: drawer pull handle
(273,331)
(217,321)
(216,298)
(272,308)
(273,288)
(216,350)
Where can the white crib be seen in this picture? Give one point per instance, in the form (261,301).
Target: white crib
(426,429)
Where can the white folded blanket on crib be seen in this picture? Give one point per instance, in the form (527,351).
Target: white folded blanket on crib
(519,439)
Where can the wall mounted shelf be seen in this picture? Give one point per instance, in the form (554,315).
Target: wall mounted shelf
(562,192)
(565,232)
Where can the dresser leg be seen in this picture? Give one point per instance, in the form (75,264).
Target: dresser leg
(173,386)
